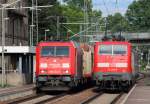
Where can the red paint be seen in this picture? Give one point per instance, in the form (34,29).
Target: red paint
(112,59)
(54,64)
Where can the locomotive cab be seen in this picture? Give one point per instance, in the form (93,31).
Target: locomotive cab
(113,64)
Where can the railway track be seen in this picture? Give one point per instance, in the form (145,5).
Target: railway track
(73,97)
(113,97)
(103,98)
(117,98)
(36,99)
(91,98)
(50,99)
(87,96)
(61,96)
(58,99)
(23,99)
(41,98)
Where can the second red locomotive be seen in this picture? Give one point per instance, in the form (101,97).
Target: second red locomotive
(115,65)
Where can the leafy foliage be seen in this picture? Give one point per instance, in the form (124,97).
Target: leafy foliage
(47,18)
(80,3)
(138,15)
(116,23)
(72,11)
(73,15)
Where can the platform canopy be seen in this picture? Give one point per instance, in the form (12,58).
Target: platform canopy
(18,49)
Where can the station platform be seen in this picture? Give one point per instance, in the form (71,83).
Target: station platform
(20,62)
(12,89)
(140,94)
(16,92)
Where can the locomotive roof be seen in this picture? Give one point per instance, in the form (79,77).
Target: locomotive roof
(113,42)
(59,43)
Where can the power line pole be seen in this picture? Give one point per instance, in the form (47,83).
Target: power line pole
(3,44)
(30,36)
(32,24)
(37,24)
(81,33)
(85,17)
(97,27)
(106,27)
(58,27)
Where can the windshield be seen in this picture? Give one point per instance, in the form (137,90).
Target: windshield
(105,49)
(55,51)
(119,49)
(47,51)
(62,51)
(112,49)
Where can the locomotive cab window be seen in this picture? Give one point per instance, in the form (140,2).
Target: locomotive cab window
(47,51)
(112,49)
(119,49)
(62,51)
(105,49)
(55,51)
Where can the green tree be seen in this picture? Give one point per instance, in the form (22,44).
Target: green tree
(138,16)
(74,11)
(73,15)
(48,17)
(116,23)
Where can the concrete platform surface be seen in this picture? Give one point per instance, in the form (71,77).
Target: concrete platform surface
(141,93)
(13,89)
(7,94)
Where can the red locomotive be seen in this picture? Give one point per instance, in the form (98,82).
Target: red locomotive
(59,65)
(115,65)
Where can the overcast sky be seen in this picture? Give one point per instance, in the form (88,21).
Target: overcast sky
(109,6)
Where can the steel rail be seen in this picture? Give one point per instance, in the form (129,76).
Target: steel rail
(92,98)
(24,99)
(117,98)
(52,99)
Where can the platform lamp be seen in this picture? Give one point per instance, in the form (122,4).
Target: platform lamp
(46,30)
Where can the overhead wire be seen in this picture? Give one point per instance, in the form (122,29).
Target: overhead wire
(68,29)
(107,10)
(86,29)
(117,6)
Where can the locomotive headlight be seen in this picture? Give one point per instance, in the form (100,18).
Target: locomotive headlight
(43,65)
(102,64)
(67,71)
(65,65)
(43,71)
(121,65)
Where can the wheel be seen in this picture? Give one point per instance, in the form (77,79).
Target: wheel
(38,90)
